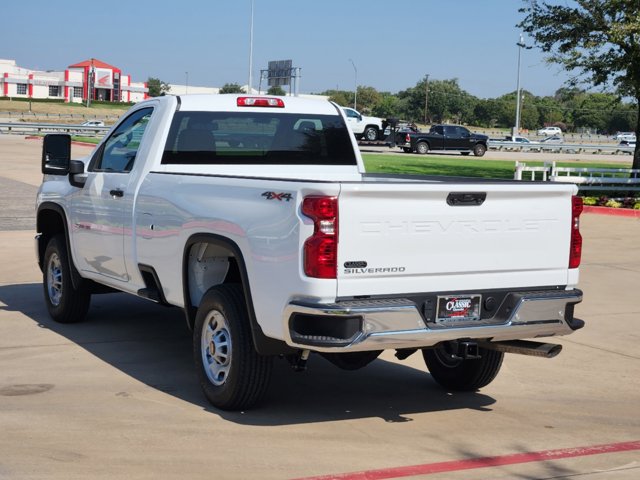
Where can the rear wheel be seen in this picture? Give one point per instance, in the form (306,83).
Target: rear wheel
(65,303)
(462,374)
(232,374)
(422,147)
(479,150)
(370,134)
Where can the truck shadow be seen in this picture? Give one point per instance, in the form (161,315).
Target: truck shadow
(152,344)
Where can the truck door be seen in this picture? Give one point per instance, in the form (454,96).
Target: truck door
(459,138)
(354,120)
(101,211)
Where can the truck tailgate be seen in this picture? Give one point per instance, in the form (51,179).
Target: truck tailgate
(400,238)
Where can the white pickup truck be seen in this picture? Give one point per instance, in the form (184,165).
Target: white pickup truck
(363,127)
(255,216)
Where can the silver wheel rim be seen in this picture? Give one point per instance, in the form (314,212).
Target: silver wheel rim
(422,148)
(371,134)
(216,347)
(54,279)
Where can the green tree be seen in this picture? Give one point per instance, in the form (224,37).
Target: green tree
(231,88)
(341,97)
(597,40)
(276,90)
(368,98)
(387,107)
(157,87)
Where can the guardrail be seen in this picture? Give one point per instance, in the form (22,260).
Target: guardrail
(601,179)
(83,116)
(559,147)
(31,128)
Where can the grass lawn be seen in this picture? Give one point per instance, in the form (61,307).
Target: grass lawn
(457,166)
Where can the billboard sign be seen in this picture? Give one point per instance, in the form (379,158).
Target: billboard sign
(279,72)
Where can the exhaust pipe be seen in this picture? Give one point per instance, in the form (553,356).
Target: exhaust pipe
(524,347)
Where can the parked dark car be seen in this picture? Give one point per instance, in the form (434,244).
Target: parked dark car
(443,137)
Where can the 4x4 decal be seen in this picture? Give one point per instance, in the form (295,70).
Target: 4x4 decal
(277,196)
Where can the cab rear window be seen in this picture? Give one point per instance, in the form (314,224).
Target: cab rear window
(238,138)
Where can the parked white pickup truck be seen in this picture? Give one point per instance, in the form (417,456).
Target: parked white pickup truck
(363,127)
(256,217)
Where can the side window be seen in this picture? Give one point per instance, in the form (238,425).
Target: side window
(120,149)
(351,113)
(438,130)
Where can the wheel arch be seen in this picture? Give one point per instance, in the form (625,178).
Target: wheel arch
(263,344)
(51,220)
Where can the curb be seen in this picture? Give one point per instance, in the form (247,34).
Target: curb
(613,212)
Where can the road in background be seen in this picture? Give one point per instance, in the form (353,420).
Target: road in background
(117,396)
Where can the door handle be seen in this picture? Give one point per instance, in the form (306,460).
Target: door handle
(116,192)
(460,199)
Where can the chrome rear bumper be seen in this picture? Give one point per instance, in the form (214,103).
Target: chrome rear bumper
(398,323)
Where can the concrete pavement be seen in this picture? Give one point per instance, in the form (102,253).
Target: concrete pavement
(117,396)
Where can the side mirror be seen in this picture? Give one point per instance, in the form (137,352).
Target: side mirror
(56,154)
(76,169)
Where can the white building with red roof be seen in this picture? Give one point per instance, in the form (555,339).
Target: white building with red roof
(94,78)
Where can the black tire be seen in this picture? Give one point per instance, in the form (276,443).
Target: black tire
(65,303)
(422,148)
(406,150)
(462,375)
(370,134)
(479,150)
(465,153)
(232,374)
(352,360)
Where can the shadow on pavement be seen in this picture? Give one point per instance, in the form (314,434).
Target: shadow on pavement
(153,345)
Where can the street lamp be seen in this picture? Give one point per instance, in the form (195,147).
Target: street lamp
(355,95)
(186,85)
(426,97)
(516,129)
(249,87)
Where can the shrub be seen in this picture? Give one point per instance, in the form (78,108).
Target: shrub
(613,204)
(589,200)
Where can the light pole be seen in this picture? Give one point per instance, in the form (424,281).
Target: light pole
(516,129)
(355,95)
(249,87)
(186,85)
(426,98)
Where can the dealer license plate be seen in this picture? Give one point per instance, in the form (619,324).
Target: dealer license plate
(458,309)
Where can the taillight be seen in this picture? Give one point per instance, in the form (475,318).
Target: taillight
(260,102)
(321,249)
(575,252)
(407,138)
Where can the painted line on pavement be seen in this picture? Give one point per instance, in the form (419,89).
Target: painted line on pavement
(473,463)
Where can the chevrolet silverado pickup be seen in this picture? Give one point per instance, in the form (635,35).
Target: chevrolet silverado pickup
(443,137)
(255,216)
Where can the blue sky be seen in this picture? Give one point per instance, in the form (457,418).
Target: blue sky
(392,44)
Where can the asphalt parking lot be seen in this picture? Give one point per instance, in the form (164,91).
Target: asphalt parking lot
(117,396)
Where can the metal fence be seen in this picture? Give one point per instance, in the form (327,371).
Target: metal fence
(560,147)
(601,179)
(34,128)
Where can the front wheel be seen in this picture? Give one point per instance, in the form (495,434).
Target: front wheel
(462,374)
(65,302)
(422,148)
(479,150)
(232,374)
(370,134)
